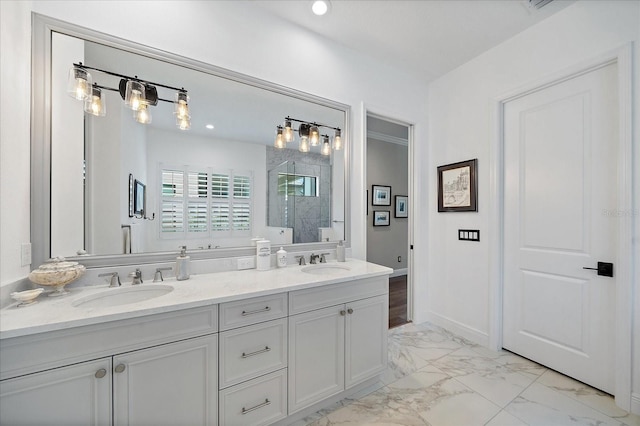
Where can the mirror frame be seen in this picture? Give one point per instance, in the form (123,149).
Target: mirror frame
(42,29)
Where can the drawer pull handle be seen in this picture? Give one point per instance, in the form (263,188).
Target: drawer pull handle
(257,311)
(349,311)
(248,410)
(266,349)
(343,312)
(120,368)
(101,373)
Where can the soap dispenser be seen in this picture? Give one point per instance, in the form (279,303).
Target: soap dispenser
(182,265)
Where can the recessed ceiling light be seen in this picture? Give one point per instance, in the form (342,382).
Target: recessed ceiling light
(209,126)
(320,7)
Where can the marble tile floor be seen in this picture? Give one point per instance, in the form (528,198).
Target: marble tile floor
(436,378)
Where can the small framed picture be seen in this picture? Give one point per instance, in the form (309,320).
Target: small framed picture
(381,218)
(458,187)
(402,210)
(381,195)
(139,197)
(130,195)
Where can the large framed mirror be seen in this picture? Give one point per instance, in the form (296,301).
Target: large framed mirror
(111,189)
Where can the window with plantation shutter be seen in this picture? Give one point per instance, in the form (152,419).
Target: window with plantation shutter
(206,203)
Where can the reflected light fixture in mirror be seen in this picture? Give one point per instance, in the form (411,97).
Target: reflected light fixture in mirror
(95,104)
(309,136)
(137,94)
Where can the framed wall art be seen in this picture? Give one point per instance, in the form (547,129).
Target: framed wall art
(380,195)
(139,198)
(402,206)
(381,218)
(457,187)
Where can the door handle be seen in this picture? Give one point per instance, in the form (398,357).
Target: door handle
(604,269)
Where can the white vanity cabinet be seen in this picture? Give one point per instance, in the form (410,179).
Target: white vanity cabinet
(253,361)
(78,394)
(337,339)
(158,369)
(174,384)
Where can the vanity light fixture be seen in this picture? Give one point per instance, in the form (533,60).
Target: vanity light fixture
(136,93)
(280,142)
(310,135)
(95,103)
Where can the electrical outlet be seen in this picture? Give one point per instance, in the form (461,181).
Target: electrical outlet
(246,263)
(25,254)
(399,259)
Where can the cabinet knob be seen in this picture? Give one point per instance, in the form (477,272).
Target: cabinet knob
(101,373)
(343,312)
(120,368)
(349,311)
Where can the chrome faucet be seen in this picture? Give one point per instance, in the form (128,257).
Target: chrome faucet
(301,261)
(313,259)
(115,279)
(157,277)
(323,257)
(136,277)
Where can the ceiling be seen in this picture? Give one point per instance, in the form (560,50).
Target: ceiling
(427,38)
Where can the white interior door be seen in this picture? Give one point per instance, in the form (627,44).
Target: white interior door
(560,156)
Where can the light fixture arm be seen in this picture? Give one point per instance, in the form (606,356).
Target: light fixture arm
(310,123)
(115,74)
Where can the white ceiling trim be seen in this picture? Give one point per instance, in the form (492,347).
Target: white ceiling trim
(387,138)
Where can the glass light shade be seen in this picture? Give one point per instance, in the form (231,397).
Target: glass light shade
(314,135)
(142,114)
(304,144)
(182,107)
(134,96)
(337,141)
(95,103)
(184,123)
(79,83)
(279,142)
(320,7)
(288,132)
(326,146)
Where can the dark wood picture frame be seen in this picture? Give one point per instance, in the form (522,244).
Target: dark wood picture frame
(380,195)
(139,197)
(402,207)
(458,187)
(381,218)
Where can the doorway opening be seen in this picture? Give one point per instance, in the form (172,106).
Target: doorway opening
(388,200)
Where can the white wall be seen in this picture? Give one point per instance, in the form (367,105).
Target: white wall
(460,107)
(233,35)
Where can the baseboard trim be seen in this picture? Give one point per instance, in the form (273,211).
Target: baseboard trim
(635,403)
(463,330)
(398,272)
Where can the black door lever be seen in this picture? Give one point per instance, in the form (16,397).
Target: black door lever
(604,269)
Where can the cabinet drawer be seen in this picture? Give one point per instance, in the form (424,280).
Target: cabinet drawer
(252,311)
(260,401)
(335,294)
(251,351)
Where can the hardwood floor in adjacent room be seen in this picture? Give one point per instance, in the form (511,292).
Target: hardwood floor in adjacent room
(397,301)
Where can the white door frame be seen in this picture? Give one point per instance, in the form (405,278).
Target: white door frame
(411,193)
(624,262)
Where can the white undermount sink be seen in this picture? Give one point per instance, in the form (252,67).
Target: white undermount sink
(325,269)
(123,296)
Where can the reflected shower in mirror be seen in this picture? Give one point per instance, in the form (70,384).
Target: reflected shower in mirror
(217,183)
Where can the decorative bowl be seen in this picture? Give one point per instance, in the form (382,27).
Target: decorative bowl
(57,273)
(27,297)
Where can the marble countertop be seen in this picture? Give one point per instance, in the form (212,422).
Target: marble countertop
(58,313)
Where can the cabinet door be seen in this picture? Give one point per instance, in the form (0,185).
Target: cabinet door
(316,356)
(79,394)
(174,384)
(366,339)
